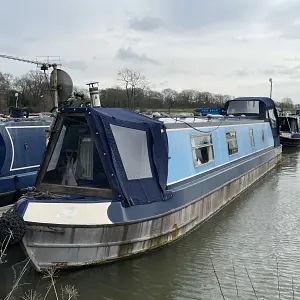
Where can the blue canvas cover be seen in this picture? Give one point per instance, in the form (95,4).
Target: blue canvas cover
(132,191)
(268,102)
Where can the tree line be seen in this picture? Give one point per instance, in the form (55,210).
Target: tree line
(32,90)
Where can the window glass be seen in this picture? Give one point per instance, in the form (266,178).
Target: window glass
(133,148)
(232,143)
(202,149)
(252,138)
(75,160)
(272,118)
(243,107)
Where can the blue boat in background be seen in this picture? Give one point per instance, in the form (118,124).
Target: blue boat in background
(209,111)
(22,146)
(289,127)
(119,183)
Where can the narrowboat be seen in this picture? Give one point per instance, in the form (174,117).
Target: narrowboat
(114,183)
(22,146)
(289,130)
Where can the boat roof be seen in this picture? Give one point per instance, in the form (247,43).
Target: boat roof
(269,103)
(206,122)
(24,121)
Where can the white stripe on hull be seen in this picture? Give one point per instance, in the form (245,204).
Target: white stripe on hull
(68,213)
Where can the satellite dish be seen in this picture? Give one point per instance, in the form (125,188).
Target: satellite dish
(64,84)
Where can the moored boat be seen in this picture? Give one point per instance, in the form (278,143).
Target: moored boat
(122,184)
(289,127)
(22,145)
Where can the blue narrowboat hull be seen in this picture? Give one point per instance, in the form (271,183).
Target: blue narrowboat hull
(69,246)
(22,146)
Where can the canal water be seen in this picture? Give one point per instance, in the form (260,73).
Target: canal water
(253,245)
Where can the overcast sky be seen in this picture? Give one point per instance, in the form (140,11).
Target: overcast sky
(221,46)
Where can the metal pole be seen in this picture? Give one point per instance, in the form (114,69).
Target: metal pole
(17,98)
(271,87)
(54,86)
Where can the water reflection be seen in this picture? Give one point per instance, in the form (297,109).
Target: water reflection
(262,225)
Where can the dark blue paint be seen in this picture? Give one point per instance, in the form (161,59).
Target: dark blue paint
(29,146)
(139,191)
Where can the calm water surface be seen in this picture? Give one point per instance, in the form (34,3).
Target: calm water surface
(247,236)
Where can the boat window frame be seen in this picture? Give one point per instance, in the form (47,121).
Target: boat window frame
(64,189)
(229,131)
(272,118)
(211,144)
(252,140)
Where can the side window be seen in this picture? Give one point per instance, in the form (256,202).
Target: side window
(232,143)
(272,118)
(202,149)
(263,136)
(252,138)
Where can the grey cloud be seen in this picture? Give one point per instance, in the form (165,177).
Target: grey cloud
(282,14)
(292,59)
(284,18)
(127,54)
(282,71)
(145,24)
(33,16)
(201,14)
(10,49)
(31,39)
(243,72)
(133,40)
(75,65)
(291,32)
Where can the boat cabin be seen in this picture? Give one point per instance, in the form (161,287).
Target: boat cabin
(289,130)
(289,124)
(117,154)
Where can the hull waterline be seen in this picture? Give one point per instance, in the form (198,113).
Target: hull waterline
(290,142)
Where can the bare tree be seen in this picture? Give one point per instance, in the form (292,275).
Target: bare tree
(169,97)
(34,90)
(5,86)
(133,82)
(287,103)
(82,91)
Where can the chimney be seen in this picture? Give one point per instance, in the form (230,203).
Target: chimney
(94,94)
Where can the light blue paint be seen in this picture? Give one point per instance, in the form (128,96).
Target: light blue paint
(180,151)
